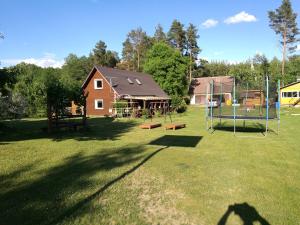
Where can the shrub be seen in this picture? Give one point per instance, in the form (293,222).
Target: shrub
(178,104)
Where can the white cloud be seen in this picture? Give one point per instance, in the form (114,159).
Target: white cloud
(298,48)
(210,23)
(240,17)
(48,60)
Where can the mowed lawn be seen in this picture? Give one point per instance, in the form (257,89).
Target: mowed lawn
(116,173)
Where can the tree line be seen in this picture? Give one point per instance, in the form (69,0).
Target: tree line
(171,57)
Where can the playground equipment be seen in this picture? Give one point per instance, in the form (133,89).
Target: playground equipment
(246,102)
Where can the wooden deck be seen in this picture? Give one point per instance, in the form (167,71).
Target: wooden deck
(150,125)
(175,126)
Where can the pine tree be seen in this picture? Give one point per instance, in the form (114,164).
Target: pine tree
(104,57)
(177,37)
(159,34)
(135,47)
(192,47)
(99,53)
(127,54)
(283,22)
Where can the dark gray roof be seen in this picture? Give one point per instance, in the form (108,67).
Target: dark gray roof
(124,82)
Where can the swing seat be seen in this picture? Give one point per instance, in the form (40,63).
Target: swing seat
(175,126)
(150,126)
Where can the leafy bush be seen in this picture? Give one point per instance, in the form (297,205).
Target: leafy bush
(120,104)
(178,104)
(12,106)
(145,114)
(187,100)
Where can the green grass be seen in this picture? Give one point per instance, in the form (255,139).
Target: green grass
(116,173)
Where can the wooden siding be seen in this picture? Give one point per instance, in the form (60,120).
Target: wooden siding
(106,93)
(290,100)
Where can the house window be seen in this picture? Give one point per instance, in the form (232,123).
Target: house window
(283,94)
(129,81)
(98,83)
(138,81)
(294,94)
(290,94)
(99,104)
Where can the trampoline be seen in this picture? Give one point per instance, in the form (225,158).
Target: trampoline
(240,101)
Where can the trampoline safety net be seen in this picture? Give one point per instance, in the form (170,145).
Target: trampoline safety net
(240,100)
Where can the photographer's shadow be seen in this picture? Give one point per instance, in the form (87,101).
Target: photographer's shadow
(246,212)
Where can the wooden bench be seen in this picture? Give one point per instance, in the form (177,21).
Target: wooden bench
(150,125)
(175,126)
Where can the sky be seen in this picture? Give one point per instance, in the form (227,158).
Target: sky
(45,32)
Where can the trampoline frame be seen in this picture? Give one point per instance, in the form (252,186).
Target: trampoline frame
(209,114)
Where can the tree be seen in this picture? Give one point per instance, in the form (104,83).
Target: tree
(283,22)
(7,80)
(135,47)
(168,68)
(103,57)
(127,55)
(77,68)
(244,74)
(12,106)
(192,47)
(177,37)
(201,69)
(217,68)
(27,85)
(99,53)
(159,35)
(263,65)
(275,68)
(293,69)
(111,58)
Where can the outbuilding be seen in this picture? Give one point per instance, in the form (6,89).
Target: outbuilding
(290,94)
(199,89)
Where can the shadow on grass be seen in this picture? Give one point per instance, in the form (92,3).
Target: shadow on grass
(98,193)
(252,128)
(64,189)
(246,212)
(98,129)
(177,141)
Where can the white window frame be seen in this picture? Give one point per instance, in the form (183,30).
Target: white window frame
(95,84)
(96,103)
(283,94)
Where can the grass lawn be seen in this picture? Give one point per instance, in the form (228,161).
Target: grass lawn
(116,173)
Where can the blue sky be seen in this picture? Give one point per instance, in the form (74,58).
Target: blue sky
(45,32)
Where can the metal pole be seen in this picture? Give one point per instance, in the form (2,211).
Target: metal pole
(278,110)
(234,105)
(206,106)
(211,97)
(267,106)
(246,105)
(220,111)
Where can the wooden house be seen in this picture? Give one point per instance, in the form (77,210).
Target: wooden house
(290,94)
(252,97)
(106,86)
